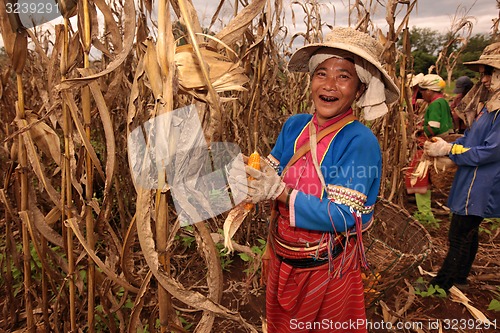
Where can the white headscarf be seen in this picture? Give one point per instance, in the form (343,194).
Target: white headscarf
(432,82)
(372,101)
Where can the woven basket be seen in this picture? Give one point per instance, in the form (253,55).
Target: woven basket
(443,170)
(395,244)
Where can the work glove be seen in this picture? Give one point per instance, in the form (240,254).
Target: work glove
(437,147)
(252,184)
(264,184)
(237,178)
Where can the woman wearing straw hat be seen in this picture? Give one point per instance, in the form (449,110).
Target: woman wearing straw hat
(328,169)
(476,186)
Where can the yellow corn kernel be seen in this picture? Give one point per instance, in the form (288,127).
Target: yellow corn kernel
(254,162)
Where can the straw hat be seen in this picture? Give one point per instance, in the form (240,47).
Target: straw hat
(490,57)
(351,40)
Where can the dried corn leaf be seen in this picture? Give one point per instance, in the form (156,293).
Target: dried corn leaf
(9,25)
(109,134)
(232,223)
(215,279)
(190,75)
(153,69)
(233,31)
(264,325)
(67,8)
(135,320)
(73,224)
(190,297)
(223,73)
(20,52)
(44,137)
(128,42)
(27,217)
(75,53)
(43,227)
(112,30)
(233,80)
(70,101)
(37,166)
(459,297)
(386,312)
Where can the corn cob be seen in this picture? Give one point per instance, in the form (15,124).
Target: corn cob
(254,162)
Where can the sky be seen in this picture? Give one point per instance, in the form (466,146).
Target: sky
(432,14)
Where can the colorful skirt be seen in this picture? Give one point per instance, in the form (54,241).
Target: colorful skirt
(310,300)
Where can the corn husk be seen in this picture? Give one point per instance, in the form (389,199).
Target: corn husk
(232,223)
(440,164)
(420,171)
(224,74)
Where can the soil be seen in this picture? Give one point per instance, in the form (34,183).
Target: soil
(398,305)
(243,294)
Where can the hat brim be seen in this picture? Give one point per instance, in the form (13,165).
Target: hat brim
(299,62)
(474,65)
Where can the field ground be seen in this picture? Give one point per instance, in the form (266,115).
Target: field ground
(422,314)
(243,293)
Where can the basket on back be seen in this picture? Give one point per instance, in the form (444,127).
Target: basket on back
(395,245)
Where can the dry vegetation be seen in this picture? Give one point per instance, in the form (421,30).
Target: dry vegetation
(96,253)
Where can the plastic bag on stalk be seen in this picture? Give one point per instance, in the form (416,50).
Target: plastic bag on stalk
(169,152)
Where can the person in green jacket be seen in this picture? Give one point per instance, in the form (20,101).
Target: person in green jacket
(438,121)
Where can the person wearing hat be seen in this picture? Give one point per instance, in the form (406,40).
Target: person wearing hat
(462,86)
(324,175)
(437,122)
(416,96)
(476,186)
(419,105)
(437,119)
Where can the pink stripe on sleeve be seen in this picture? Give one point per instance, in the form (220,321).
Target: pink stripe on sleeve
(291,207)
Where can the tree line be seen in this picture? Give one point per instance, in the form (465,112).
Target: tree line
(426,44)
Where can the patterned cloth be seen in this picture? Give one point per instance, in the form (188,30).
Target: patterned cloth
(325,298)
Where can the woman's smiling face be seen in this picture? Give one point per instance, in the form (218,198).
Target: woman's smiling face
(334,87)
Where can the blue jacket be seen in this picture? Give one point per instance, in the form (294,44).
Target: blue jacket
(476,186)
(353,160)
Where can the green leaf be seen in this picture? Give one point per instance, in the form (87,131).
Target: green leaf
(494,305)
(245,257)
(257,250)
